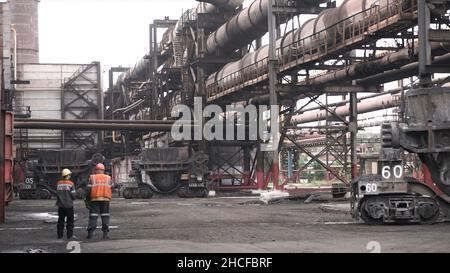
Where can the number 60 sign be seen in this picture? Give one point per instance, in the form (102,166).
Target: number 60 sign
(392,172)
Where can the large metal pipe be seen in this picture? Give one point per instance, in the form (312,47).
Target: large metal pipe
(365,69)
(247,26)
(406,71)
(95,121)
(327,24)
(76,126)
(365,106)
(243,28)
(224,4)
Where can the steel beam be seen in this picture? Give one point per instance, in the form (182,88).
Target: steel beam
(353,134)
(2,129)
(424,42)
(273,79)
(2,159)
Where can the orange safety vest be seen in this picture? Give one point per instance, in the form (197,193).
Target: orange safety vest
(101,187)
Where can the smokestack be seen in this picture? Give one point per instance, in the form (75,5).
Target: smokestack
(24,19)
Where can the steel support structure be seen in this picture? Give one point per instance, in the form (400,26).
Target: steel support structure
(273,94)
(112,94)
(6,113)
(333,157)
(424,20)
(6,146)
(338,129)
(228,160)
(82,98)
(280,82)
(2,140)
(154,57)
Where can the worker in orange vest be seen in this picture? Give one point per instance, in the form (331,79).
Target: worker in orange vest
(98,197)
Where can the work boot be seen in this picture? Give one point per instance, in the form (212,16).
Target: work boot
(90,235)
(60,233)
(105,235)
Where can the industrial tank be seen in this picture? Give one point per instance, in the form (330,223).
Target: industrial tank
(24,20)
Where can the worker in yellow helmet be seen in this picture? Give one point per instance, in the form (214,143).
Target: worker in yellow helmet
(65,194)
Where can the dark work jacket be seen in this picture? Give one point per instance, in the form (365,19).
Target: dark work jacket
(65,194)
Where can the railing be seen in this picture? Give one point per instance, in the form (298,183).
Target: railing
(324,43)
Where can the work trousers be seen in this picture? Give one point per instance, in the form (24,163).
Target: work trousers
(64,213)
(99,208)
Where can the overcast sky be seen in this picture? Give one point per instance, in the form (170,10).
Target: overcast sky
(114,32)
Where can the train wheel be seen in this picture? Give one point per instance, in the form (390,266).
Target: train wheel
(429,211)
(44,194)
(127,193)
(182,192)
(145,193)
(365,215)
(203,193)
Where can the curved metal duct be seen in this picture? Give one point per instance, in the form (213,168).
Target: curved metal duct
(243,28)
(225,4)
(294,42)
(138,72)
(246,66)
(247,26)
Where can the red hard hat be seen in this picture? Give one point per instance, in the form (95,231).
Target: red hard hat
(100,166)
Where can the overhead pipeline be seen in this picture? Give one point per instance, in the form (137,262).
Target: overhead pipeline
(250,24)
(321,28)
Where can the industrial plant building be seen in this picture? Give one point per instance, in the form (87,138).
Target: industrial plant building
(245,125)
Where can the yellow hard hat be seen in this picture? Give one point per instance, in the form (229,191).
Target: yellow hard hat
(66,172)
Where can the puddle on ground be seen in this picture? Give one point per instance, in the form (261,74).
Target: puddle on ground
(140,203)
(39,216)
(336,207)
(216,205)
(47,217)
(341,223)
(98,227)
(40,228)
(185,204)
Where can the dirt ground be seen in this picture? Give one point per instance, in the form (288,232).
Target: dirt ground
(220,224)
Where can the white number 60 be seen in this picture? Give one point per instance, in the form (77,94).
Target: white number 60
(387,172)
